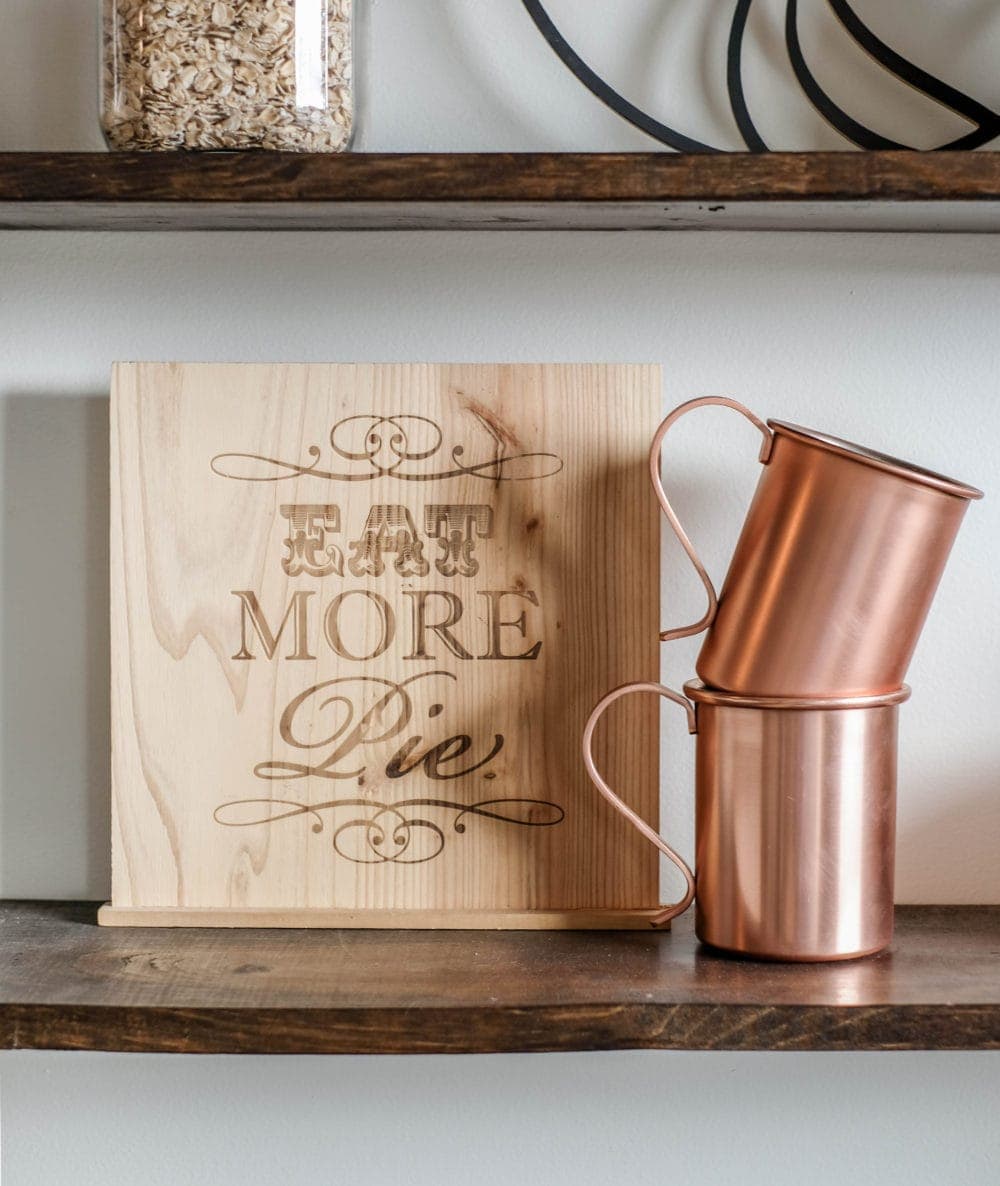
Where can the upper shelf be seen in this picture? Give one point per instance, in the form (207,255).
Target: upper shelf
(879,191)
(67,984)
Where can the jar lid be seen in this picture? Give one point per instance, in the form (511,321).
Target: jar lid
(882,461)
(702,694)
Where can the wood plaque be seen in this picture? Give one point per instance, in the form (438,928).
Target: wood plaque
(359,615)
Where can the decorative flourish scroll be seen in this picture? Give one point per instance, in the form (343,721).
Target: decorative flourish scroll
(382,446)
(390,832)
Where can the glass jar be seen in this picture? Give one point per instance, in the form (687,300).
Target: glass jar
(228,74)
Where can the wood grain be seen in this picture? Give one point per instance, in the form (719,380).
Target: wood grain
(359,617)
(67,984)
(246,190)
(386,920)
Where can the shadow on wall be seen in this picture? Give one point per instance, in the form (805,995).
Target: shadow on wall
(54,634)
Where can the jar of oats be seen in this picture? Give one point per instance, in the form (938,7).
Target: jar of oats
(228,74)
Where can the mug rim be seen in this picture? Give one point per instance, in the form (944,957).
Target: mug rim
(701,693)
(882,461)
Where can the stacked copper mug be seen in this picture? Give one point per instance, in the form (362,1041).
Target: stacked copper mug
(801,678)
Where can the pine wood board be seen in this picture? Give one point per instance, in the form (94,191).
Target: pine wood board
(383,920)
(359,616)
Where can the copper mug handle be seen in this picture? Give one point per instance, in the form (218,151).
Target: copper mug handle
(718,401)
(703,623)
(619,804)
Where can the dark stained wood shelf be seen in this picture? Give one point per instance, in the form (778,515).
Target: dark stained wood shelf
(66,984)
(956,191)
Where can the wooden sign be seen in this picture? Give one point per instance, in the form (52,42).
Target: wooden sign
(359,617)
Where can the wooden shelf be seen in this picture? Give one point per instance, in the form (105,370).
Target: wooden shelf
(957,191)
(66,984)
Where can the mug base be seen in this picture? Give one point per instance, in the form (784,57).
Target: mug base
(772,957)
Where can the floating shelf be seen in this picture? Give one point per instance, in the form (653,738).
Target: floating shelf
(879,191)
(66,984)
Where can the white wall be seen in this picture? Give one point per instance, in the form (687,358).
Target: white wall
(887,340)
(634,1119)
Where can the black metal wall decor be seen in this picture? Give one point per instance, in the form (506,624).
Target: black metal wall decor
(986,122)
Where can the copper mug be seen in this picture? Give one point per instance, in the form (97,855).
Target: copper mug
(834,571)
(795,821)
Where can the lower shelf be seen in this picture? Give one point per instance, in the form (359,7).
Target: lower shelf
(67,984)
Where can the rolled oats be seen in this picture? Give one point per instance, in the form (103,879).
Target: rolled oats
(228,74)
